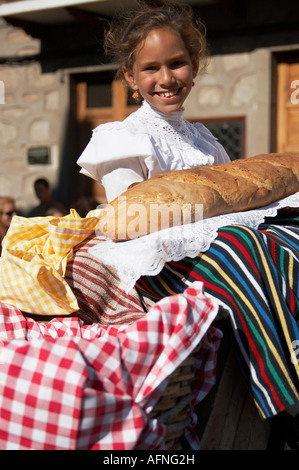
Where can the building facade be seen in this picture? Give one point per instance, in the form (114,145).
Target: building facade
(55,86)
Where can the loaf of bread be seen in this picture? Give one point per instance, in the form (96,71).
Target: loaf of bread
(185,196)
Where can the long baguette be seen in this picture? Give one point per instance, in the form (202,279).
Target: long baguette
(184,196)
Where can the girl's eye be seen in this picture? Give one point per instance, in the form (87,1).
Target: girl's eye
(150,68)
(177,64)
(173,65)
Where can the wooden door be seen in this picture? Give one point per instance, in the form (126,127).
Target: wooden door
(288,105)
(99,99)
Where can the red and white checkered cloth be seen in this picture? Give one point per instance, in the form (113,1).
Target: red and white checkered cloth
(71,386)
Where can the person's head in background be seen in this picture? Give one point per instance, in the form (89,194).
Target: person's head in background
(7,211)
(54,212)
(42,190)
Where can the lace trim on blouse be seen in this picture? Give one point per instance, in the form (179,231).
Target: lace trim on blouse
(169,132)
(171,127)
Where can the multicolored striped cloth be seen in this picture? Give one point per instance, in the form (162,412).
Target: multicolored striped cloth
(254,275)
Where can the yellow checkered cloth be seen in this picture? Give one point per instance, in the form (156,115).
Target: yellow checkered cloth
(34,257)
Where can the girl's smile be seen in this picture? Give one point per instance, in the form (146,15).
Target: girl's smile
(163,70)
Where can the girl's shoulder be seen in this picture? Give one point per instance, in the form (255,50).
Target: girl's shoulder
(114,126)
(130,125)
(119,139)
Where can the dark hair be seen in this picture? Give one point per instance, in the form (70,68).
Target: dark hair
(130,28)
(42,181)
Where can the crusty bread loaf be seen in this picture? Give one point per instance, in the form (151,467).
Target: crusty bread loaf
(184,196)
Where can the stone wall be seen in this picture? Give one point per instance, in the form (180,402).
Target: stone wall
(32,115)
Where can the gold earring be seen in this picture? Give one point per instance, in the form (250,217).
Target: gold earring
(135,95)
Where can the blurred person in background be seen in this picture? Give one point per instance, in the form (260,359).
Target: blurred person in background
(85,204)
(43,193)
(7,211)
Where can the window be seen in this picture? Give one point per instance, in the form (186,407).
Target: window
(98,88)
(99,95)
(230,133)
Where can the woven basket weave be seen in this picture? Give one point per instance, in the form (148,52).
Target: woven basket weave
(172,408)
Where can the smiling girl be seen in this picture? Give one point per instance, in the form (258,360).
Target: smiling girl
(159,52)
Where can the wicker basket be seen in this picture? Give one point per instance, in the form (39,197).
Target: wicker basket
(172,408)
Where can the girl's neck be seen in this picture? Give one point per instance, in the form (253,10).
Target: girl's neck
(174,116)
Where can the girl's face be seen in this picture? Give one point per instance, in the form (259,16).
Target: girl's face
(163,70)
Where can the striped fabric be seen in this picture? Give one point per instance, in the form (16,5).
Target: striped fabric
(254,274)
(98,290)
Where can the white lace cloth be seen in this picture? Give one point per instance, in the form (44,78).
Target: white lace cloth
(148,254)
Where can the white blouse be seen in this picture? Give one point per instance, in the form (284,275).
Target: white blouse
(146,143)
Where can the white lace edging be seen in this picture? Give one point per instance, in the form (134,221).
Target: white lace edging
(171,131)
(148,254)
